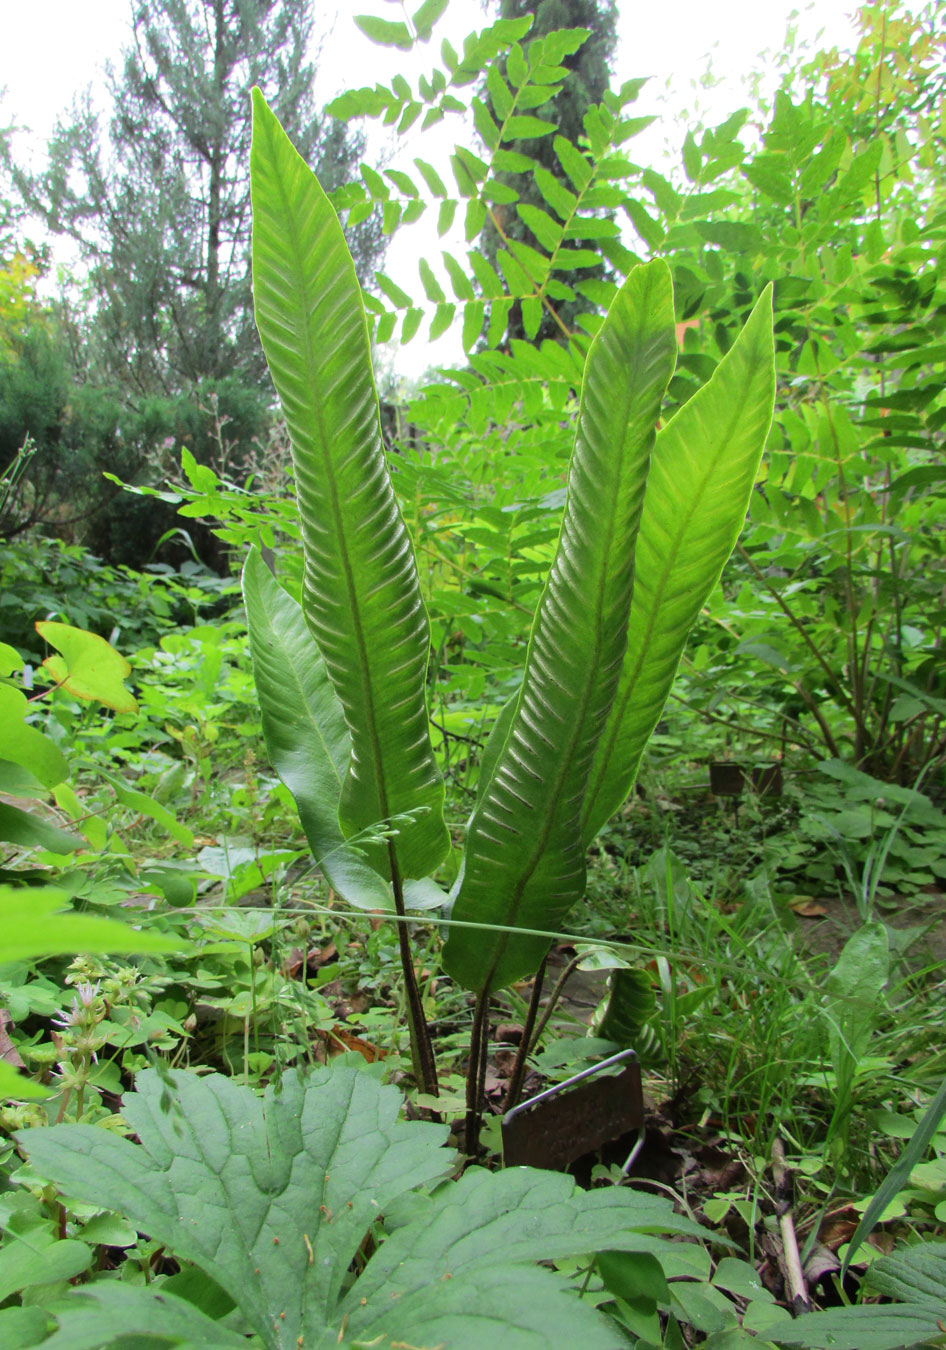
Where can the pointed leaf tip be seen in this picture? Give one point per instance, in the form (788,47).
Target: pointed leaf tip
(361,595)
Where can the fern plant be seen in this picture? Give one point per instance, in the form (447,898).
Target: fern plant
(649,520)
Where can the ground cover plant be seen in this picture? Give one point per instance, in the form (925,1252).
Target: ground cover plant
(275,1122)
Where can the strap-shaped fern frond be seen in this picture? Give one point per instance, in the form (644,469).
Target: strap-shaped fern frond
(361,594)
(704,465)
(306,737)
(524,863)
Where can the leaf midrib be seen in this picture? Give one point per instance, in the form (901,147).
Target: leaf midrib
(527,873)
(302,700)
(618,709)
(342,549)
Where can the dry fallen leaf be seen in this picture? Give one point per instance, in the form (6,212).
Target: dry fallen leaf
(340,1039)
(807,907)
(8,1051)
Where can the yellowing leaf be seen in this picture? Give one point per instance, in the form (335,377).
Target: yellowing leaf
(89,667)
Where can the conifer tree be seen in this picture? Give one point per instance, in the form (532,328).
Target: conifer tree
(160,206)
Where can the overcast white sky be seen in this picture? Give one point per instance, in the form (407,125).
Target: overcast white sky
(53,49)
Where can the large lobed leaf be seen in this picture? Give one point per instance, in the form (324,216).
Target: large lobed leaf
(273,1198)
(100,1316)
(702,471)
(524,864)
(461,1271)
(361,593)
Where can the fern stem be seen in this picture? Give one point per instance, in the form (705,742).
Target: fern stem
(525,1044)
(422,1051)
(476,1073)
(554,997)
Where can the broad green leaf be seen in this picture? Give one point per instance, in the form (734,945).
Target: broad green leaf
(531,315)
(516,65)
(474,219)
(93,827)
(869,1327)
(498,319)
(634,1275)
(10,659)
(147,806)
(411,323)
(742,1279)
(426,16)
(13,1084)
(385,32)
(89,668)
(273,1197)
(473,314)
(493,190)
(481,1230)
(525,858)
(499,91)
(854,988)
(443,318)
(562,202)
(445,215)
(573,162)
(22,1327)
(485,126)
(520,128)
(432,178)
(270,1196)
(375,183)
(132,1315)
(914,1274)
(490,283)
(37,1258)
(403,181)
(765,173)
(692,158)
(517,280)
(495,1304)
(399,298)
(27,830)
(629,1006)
(361,594)
(31,926)
(462,286)
(432,287)
(304,727)
(24,745)
(563,42)
(702,471)
(548,233)
(16,780)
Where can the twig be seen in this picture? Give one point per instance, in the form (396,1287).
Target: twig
(784,1193)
